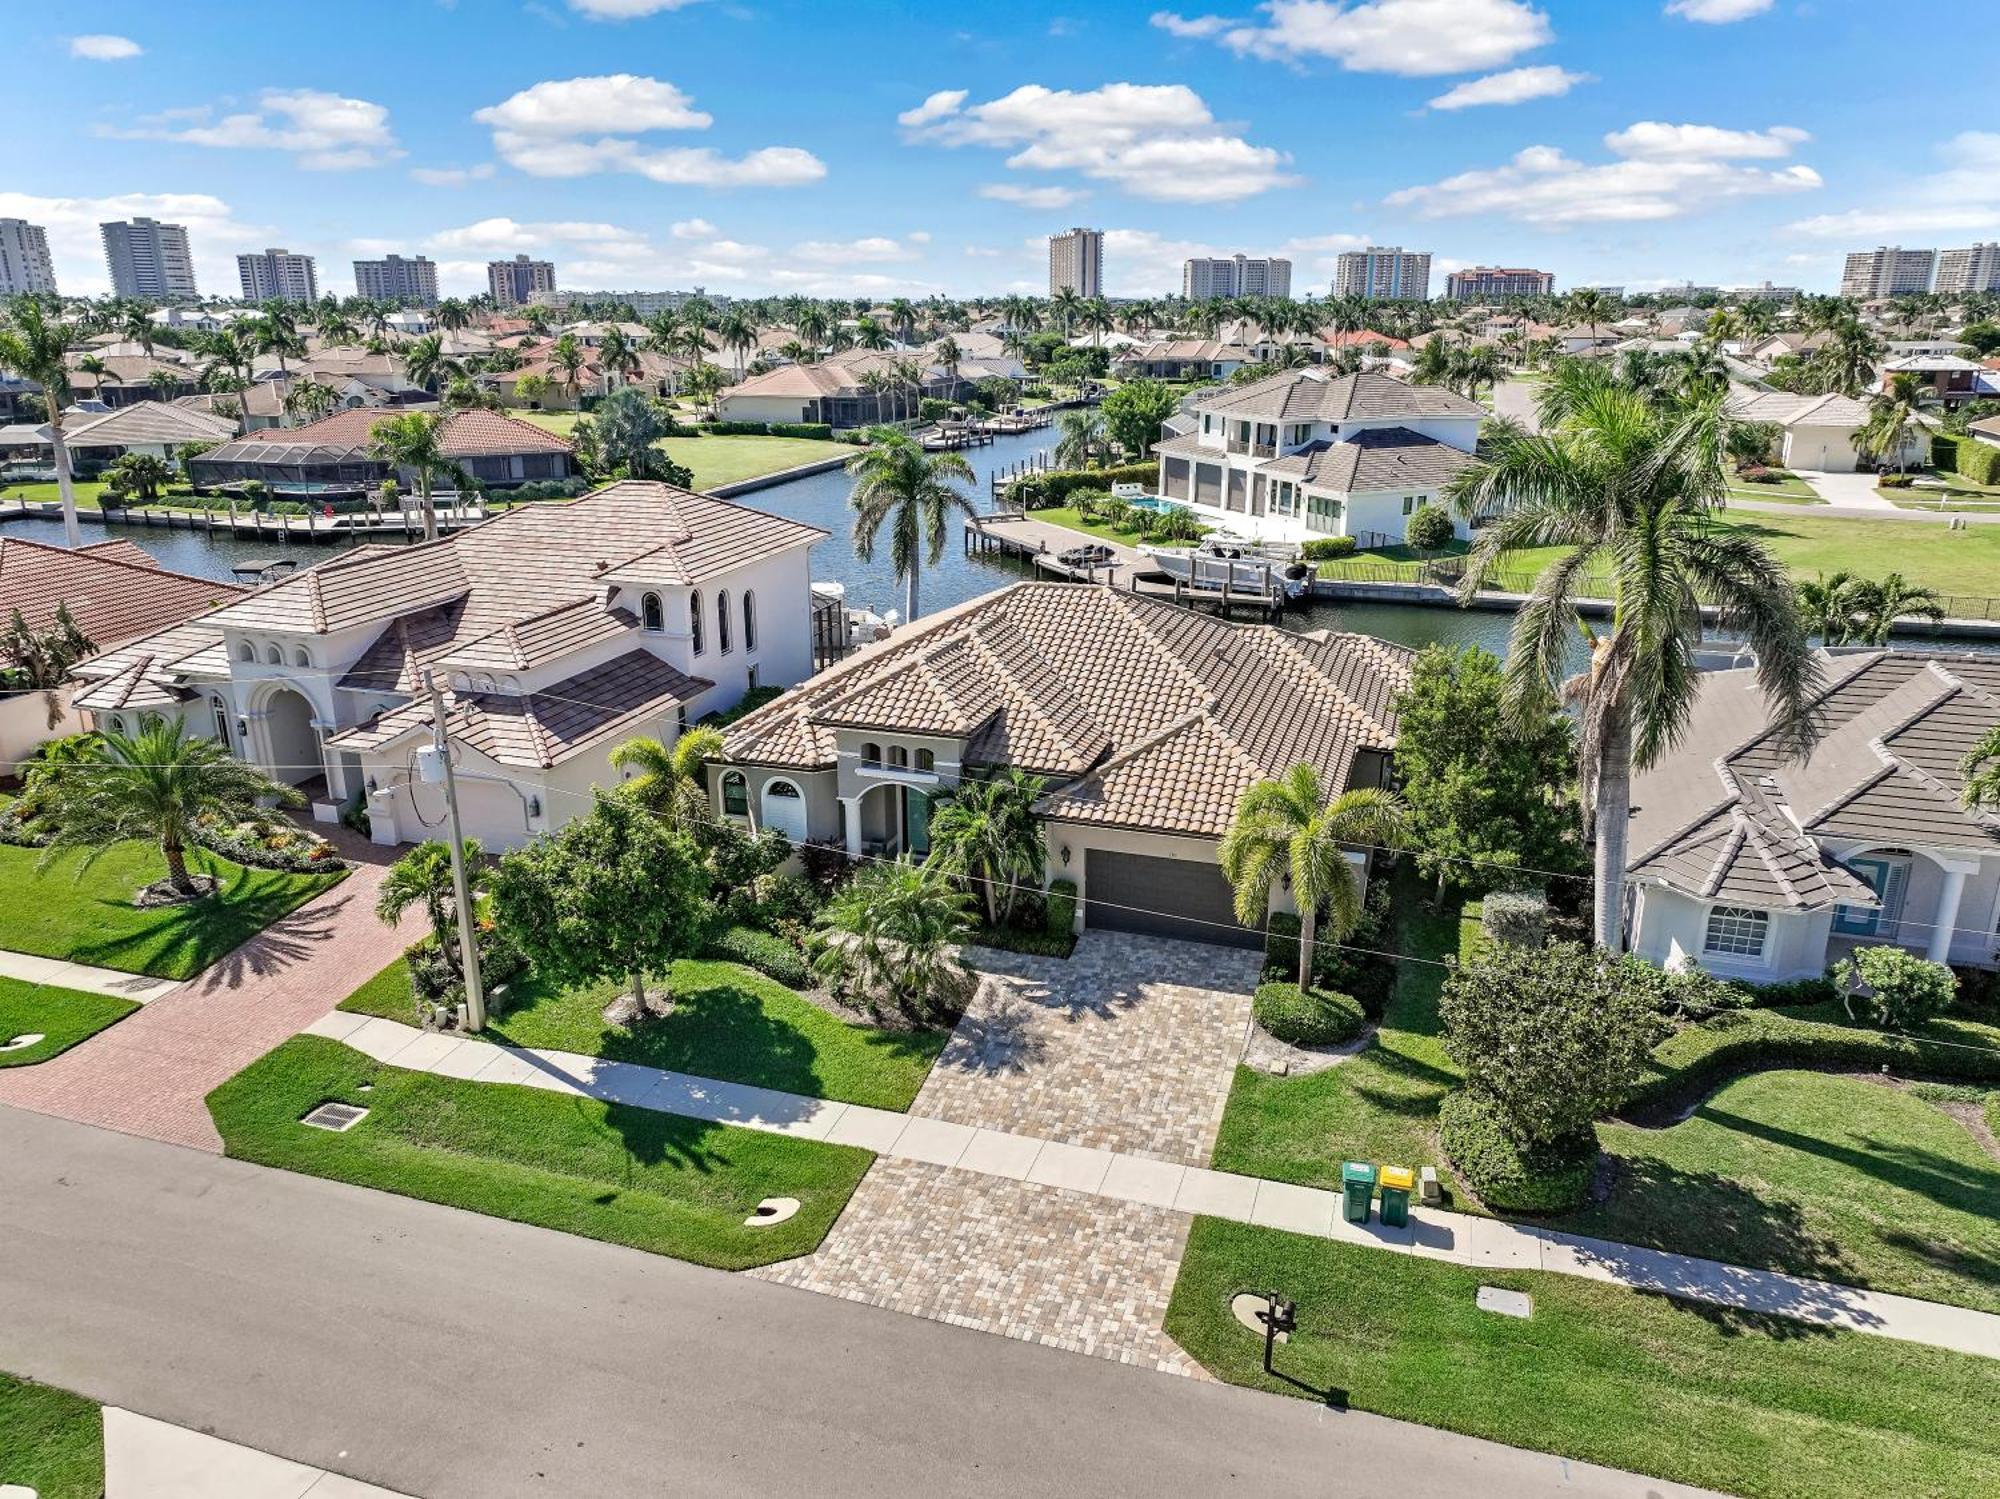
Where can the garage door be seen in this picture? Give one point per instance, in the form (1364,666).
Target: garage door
(1183,898)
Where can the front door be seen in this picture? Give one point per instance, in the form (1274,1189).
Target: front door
(916,821)
(1887,875)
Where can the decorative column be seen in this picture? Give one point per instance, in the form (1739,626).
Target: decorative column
(853,805)
(1947,913)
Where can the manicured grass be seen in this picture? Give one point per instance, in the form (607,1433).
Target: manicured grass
(62,1016)
(720,459)
(1072,519)
(658,1182)
(87,915)
(1924,552)
(87,492)
(728,1022)
(50,1441)
(1752,1405)
(1774,493)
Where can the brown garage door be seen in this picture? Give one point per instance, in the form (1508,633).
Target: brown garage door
(1183,898)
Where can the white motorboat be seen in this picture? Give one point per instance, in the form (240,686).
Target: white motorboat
(1244,565)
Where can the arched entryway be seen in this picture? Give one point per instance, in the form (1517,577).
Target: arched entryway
(785,809)
(291,743)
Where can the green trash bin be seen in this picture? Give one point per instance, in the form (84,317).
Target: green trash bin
(1357,1181)
(1396,1184)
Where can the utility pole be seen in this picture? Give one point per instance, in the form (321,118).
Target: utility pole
(468,943)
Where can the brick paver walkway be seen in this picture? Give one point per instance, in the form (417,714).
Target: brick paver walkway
(148,1074)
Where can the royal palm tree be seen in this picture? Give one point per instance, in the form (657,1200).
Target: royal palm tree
(414,441)
(903,318)
(135,325)
(452,315)
(813,326)
(230,355)
(737,332)
(423,877)
(275,330)
(869,334)
(669,782)
(155,785)
(913,493)
(986,833)
(948,356)
(567,355)
(33,347)
(1064,304)
(426,362)
(617,355)
(1629,482)
(1289,827)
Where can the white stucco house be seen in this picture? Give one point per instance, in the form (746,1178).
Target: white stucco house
(1764,869)
(1820,433)
(558,630)
(1306,453)
(1146,722)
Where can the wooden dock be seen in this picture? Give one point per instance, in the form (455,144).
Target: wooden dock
(311,527)
(1010,533)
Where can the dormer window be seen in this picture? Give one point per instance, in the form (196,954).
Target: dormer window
(694,620)
(652,613)
(274,655)
(722,621)
(926,760)
(246,652)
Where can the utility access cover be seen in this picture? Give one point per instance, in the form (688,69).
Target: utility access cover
(338,1117)
(1506,1303)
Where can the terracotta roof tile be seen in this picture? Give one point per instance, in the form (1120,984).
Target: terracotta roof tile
(113,596)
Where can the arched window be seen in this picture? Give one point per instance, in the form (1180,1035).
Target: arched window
(117,724)
(300,658)
(871,754)
(652,613)
(899,758)
(246,652)
(749,620)
(926,760)
(736,794)
(1736,931)
(220,710)
(722,621)
(274,655)
(694,619)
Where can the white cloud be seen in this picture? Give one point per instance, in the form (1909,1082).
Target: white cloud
(693,229)
(1665,171)
(214,234)
(1516,86)
(1414,38)
(575,127)
(945,101)
(324,132)
(1718,12)
(452,176)
(1032,197)
(104,47)
(1155,141)
(1963,198)
(505,236)
(624,10)
(1190,28)
(871,250)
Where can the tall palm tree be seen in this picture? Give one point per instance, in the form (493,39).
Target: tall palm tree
(1630,482)
(96,368)
(1845,364)
(415,441)
(230,354)
(737,332)
(1065,303)
(1892,421)
(914,493)
(1083,438)
(452,315)
(869,334)
(669,782)
(275,330)
(426,362)
(567,354)
(987,833)
(1097,317)
(813,326)
(33,347)
(154,785)
(337,329)
(423,877)
(903,318)
(310,400)
(1289,827)
(948,355)
(617,355)
(135,325)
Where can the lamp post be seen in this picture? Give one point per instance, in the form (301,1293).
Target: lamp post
(435,767)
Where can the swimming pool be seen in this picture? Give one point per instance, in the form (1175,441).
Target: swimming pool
(1157,503)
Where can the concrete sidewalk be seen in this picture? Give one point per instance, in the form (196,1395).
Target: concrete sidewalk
(1155,1184)
(148,1459)
(59,974)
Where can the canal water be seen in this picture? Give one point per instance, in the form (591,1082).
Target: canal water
(822,500)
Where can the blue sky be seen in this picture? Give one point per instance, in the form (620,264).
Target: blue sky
(757,146)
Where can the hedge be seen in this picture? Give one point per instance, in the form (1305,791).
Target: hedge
(771,956)
(1053,486)
(1505,1176)
(1979,461)
(821,430)
(1329,548)
(1316,1017)
(1944,452)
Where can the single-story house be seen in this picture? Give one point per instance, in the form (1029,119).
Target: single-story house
(1183,359)
(1820,433)
(156,429)
(1146,721)
(335,454)
(1763,868)
(1986,430)
(835,391)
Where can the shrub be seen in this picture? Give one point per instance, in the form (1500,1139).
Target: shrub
(1429,528)
(931,409)
(1328,548)
(1059,913)
(770,955)
(274,844)
(782,898)
(1507,1176)
(1813,991)
(821,430)
(1307,1017)
(1907,990)
(1979,462)
(1896,481)
(1684,993)
(826,865)
(1516,918)
(1944,452)
(1053,486)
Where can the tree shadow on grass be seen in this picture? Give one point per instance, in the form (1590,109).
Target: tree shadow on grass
(1410,1087)
(1968,1186)
(213,933)
(655,1139)
(723,1031)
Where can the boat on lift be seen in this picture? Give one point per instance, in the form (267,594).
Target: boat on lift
(1245,565)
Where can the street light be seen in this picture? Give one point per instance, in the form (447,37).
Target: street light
(434,766)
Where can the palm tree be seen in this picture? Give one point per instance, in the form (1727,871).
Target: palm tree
(987,834)
(1833,608)
(1892,419)
(1287,826)
(1894,598)
(136,326)
(40,660)
(669,782)
(1845,365)
(275,330)
(97,369)
(426,362)
(813,326)
(154,785)
(889,936)
(567,355)
(869,334)
(1632,482)
(737,332)
(903,318)
(452,315)
(33,347)
(1083,438)
(1981,769)
(1065,303)
(310,400)
(1097,317)
(165,384)
(913,492)
(337,329)
(617,355)
(423,877)
(414,441)
(230,354)
(1589,306)
(948,356)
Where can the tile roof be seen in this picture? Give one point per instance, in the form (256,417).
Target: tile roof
(145,422)
(1789,410)
(112,595)
(1374,459)
(1312,395)
(467,434)
(1150,716)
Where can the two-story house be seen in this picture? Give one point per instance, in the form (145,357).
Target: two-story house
(1306,453)
(556,631)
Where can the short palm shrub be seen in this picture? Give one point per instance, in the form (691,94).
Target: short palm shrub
(1906,990)
(1307,1017)
(1429,529)
(888,940)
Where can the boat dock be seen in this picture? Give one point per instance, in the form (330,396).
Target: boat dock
(1010,533)
(310,527)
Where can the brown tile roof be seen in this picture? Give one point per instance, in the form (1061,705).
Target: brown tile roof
(1311,395)
(147,422)
(1375,459)
(112,596)
(467,434)
(1151,716)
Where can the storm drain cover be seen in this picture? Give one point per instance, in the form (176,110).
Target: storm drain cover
(1506,1303)
(21,1043)
(338,1117)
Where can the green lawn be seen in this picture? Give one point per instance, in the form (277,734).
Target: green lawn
(720,459)
(728,1022)
(653,1181)
(87,492)
(62,1016)
(50,1441)
(1072,519)
(1756,1406)
(87,915)
(1822,1175)
(1776,494)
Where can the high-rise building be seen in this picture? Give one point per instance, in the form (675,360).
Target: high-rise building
(1490,283)
(1236,276)
(1763,291)
(1392,274)
(1887,271)
(1076,261)
(24,259)
(517,282)
(277,276)
(1975,268)
(394,279)
(149,260)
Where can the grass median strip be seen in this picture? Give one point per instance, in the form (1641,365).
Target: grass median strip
(62,1017)
(653,1181)
(1753,1405)
(51,1442)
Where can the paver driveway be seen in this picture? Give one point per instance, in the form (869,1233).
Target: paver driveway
(1131,1046)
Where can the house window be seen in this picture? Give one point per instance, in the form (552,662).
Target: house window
(871,754)
(117,724)
(736,794)
(749,620)
(246,652)
(275,655)
(220,710)
(1409,503)
(926,760)
(899,758)
(722,622)
(1737,931)
(652,613)
(300,658)
(694,620)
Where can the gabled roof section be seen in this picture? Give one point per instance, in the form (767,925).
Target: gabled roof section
(112,594)
(1311,395)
